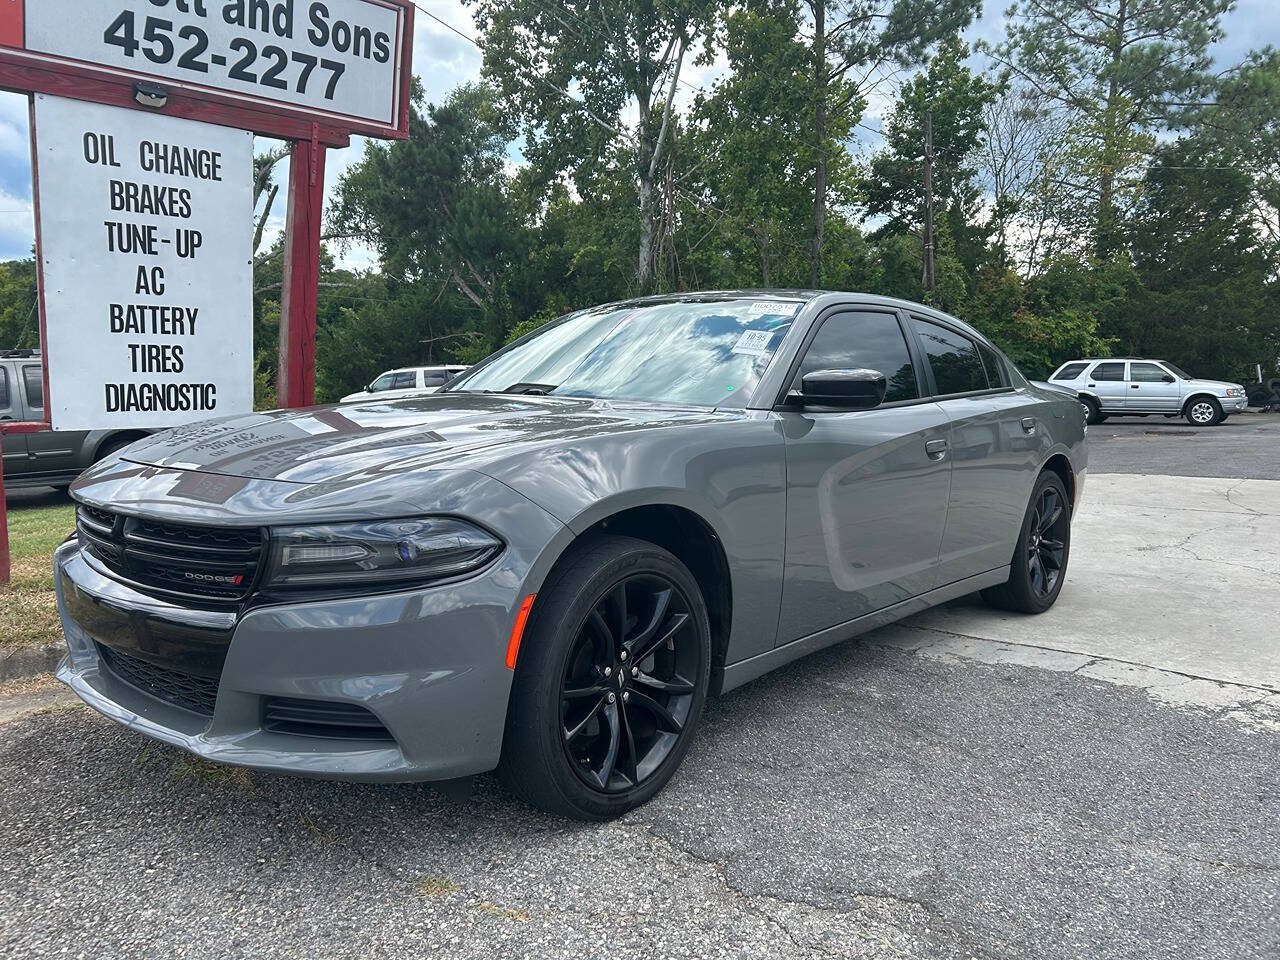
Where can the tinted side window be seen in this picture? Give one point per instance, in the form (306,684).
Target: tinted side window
(1070,371)
(405,381)
(434,379)
(4,388)
(33,381)
(871,341)
(957,368)
(1108,371)
(1146,373)
(382,383)
(996,374)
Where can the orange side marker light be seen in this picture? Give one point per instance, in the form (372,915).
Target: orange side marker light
(517,631)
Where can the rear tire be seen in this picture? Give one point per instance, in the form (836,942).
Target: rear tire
(1039,565)
(610,683)
(1092,412)
(1204,412)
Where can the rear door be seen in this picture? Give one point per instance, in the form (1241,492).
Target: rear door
(49,451)
(1152,388)
(866,489)
(14,445)
(1108,382)
(997,443)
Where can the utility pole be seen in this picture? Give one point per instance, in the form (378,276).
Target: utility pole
(928,205)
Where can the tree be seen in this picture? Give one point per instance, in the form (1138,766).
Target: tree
(436,209)
(19,305)
(1121,70)
(613,58)
(264,166)
(852,40)
(956,97)
(747,155)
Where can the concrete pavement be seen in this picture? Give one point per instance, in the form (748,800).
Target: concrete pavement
(1177,573)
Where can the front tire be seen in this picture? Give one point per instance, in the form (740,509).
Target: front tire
(1039,564)
(1204,412)
(611,681)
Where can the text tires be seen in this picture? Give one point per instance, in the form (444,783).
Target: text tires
(610,682)
(1204,412)
(1039,564)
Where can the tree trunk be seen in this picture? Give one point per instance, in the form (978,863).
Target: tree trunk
(1106,240)
(820,137)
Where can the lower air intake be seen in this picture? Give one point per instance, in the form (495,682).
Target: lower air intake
(322,718)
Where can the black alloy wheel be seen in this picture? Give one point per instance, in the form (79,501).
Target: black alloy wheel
(610,681)
(1047,546)
(1039,564)
(629,683)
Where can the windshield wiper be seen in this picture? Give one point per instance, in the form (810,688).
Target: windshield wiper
(531,389)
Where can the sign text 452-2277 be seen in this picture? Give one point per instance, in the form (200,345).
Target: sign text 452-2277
(328,57)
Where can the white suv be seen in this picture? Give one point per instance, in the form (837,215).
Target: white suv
(1137,387)
(405,382)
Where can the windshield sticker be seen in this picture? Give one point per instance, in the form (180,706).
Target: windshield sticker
(771,308)
(753,343)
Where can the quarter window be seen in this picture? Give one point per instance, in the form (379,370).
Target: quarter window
(1108,371)
(4,389)
(996,375)
(434,379)
(871,341)
(957,368)
(1070,371)
(33,381)
(1147,373)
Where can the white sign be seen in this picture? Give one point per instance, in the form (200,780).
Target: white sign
(340,58)
(145,235)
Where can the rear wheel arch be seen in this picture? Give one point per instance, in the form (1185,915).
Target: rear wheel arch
(114,441)
(1061,465)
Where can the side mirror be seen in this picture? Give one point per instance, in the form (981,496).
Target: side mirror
(856,389)
(1169,378)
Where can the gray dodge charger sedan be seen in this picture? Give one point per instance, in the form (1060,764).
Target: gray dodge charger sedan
(546,568)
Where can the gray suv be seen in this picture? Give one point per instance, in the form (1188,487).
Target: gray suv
(1138,387)
(45,459)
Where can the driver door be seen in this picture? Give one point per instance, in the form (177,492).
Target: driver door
(867,490)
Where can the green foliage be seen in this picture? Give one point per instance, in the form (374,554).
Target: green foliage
(19,307)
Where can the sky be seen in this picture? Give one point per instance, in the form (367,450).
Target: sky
(442,60)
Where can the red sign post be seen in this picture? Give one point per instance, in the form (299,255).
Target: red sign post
(314,72)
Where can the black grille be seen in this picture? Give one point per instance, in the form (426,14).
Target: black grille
(185,560)
(322,718)
(187,690)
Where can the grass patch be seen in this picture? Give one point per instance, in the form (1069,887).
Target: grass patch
(506,913)
(433,887)
(28,610)
(199,770)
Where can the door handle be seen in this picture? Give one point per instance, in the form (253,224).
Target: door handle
(1029,424)
(936,449)
(1133,386)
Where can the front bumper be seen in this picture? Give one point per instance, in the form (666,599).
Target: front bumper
(427,663)
(1235,404)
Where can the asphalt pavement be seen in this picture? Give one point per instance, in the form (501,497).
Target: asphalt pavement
(1245,446)
(1098,782)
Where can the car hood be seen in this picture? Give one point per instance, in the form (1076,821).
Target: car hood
(355,443)
(1197,384)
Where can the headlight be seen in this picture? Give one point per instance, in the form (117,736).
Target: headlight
(1235,391)
(377,553)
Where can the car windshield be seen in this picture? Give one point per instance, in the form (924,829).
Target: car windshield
(704,353)
(1172,369)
